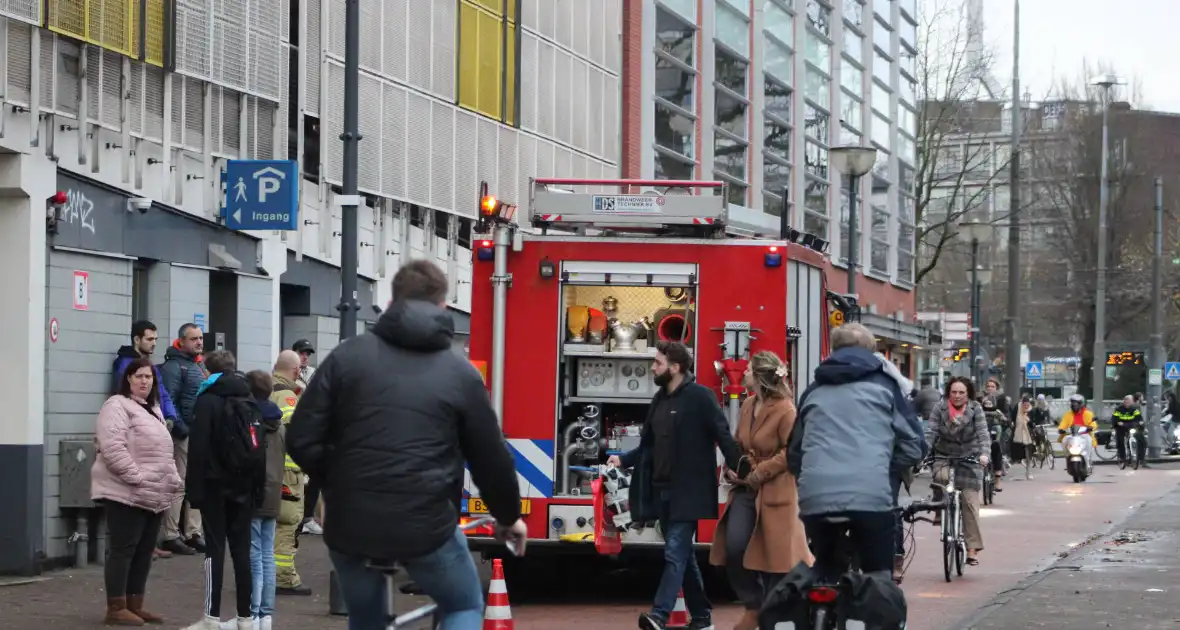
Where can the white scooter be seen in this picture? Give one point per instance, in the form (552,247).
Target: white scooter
(1079,454)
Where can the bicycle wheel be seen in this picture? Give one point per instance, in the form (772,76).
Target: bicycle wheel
(948,539)
(960,544)
(1137,460)
(1052,457)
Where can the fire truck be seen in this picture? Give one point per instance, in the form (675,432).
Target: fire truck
(566,317)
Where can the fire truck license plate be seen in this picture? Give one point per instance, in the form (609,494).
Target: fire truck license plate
(477,506)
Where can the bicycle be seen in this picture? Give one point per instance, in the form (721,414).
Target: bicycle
(1043,451)
(1131,452)
(954,544)
(395,621)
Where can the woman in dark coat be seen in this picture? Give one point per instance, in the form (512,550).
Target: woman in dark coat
(958,429)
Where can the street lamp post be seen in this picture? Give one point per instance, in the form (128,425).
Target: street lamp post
(853,161)
(1098,376)
(976,234)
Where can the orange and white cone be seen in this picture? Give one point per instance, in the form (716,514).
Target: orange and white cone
(498,615)
(679,616)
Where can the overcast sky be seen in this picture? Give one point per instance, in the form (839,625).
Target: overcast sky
(1137,38)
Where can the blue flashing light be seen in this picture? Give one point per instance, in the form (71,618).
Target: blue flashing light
(773,258)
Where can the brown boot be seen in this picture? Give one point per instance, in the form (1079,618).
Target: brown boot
(118,615)
(749,621)
(135,605)
(898,568)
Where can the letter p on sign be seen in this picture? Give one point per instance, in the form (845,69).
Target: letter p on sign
(270,180)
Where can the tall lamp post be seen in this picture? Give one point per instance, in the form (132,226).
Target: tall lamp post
(1098,376)
(853,161)
(976,234)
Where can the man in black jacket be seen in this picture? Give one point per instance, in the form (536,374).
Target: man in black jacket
(385,427)
(677,457)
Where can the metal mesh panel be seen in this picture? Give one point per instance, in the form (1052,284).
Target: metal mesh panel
(528,80)
(194,115)
(394,44)
(93,83)
(229,54)
(545,16)
(313,48)
(106,23)
(507,163)
(112,81)
(264,148)
(393,139)
(419,51)
(23,10)
(610,118)
(335,27)
(442,147)
(526,166)
(594,113)
(528,13)
(284,133)
(545,164)
(369,171)
(466,181)
(135,104)
(582,34)
(285,25)
(154,28)
(268,64)
(19,59)
(48,78)
(332,126)
(598,35)
(65,80)
(251,126)
(443,79)
(418,141)
(485,166)
(564,84)
(562,162)
(231,126)
(217,129)
(371,27)
(177,121)
(581,95)
(193,48)
(613,25)
(564,23)
(153,106)
(545,88)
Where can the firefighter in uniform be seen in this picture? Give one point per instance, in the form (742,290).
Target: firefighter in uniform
(286,396)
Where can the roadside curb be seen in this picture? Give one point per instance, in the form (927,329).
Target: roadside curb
(1063,563)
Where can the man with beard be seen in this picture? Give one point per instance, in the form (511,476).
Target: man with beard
(676,457)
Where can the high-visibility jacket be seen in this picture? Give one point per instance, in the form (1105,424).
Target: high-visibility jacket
(286,397)
(1127,416)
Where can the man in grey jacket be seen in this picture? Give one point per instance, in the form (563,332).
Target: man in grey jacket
(855,431)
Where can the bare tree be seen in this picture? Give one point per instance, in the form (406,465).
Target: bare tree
(1067,171)
(959,126)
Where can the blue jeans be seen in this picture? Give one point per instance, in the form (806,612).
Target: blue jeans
(680,568)
(262,567)
(447,575)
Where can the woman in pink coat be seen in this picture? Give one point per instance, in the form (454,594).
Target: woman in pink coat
(134,478)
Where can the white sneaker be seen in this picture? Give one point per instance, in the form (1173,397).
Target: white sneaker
(231,624)
(313,528)
(208,623)
(264,623)
(246,623)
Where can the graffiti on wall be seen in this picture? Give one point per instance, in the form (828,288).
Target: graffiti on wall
(78,209)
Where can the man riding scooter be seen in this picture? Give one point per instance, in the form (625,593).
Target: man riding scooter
(1078,416)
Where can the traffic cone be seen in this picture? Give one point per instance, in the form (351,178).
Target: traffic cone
(679,616)
(498,615)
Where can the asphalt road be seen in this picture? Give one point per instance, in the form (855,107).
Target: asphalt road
(1032,525)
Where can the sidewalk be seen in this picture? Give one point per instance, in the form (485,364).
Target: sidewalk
(1125,579)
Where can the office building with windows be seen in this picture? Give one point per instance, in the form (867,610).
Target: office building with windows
(756,92)
(117,120)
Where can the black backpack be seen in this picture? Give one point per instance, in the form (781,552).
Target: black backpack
(242,447)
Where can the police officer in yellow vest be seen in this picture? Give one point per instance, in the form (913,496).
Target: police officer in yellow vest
(286,396)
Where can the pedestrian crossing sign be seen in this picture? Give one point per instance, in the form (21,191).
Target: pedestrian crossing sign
(1172,371)
(1034,370)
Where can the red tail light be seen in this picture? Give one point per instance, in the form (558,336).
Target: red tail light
(822,595)
(482,530)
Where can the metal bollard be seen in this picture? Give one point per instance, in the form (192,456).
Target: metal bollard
(81,540)
(336,604)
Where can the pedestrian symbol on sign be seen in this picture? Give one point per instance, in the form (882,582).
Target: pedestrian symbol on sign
(1172,371)
(1034,370)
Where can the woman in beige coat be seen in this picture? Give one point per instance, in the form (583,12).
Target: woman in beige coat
(759,537)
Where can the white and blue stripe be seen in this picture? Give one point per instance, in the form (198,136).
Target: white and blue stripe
(534,469)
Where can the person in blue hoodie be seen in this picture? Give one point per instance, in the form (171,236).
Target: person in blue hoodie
(143,344)
(855,432)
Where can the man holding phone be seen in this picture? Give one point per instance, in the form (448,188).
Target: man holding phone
(385,427)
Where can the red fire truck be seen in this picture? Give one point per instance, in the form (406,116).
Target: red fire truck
(565,321)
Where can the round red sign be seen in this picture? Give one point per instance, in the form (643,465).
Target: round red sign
(54,329)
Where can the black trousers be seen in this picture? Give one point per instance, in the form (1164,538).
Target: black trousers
(869,535)
(311,496)
(751,586)
(131,537)
(227,524)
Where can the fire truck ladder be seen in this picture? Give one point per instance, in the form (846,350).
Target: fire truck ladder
(686,208)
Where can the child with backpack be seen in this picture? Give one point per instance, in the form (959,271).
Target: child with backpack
(225,480)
